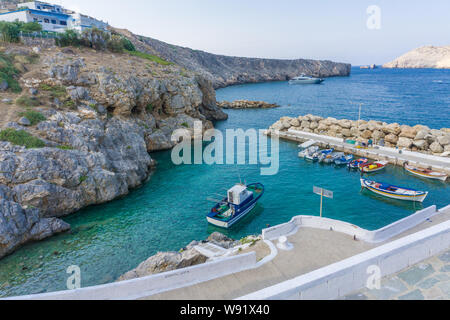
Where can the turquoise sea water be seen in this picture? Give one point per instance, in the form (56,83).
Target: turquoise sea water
(169,211)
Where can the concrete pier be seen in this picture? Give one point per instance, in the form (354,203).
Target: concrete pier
(393,156)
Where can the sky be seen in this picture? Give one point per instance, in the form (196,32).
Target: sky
(284,29)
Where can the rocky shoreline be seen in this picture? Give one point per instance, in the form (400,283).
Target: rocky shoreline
(418,138)
(246,104)
(225,71)
(185,257)
(95,130)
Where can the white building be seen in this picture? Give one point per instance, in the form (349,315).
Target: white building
(53,18)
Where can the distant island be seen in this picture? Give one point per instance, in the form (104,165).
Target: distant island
(424,57)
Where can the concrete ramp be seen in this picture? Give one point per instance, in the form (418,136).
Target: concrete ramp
(211,250)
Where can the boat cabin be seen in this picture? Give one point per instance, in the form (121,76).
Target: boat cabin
(238,194)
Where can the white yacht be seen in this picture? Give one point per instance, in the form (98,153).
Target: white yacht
(304,79)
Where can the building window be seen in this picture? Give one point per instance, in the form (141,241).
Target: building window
(54,21)
(46,21)
(63,23)
(39,7)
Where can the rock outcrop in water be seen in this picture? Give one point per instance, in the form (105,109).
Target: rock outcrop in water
(246,104)
(186,257)
(418,138)
(226,70)
(97,124)
(424,57)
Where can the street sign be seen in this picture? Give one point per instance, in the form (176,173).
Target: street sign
(322,193)
(326,193)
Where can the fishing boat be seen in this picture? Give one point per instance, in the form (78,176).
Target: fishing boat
(345,160)
(308,152)
(355,164)
(240,200)
(426,173)
(373,167)
(304,79)
(331,158)
(394,192)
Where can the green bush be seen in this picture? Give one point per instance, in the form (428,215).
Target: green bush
(21,138)
(68,38)
(10,31)
(8,72)
(65,147)
(34,116)
(55,91)
(150,57)
(127,44)
(25,101)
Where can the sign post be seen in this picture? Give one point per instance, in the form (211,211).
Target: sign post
(323,193)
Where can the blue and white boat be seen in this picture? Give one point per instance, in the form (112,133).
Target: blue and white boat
(331,157)
(394,192)
(240,201)
(344,160)
(304,79)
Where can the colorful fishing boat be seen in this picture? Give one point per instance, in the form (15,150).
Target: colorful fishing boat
(239,202)
(355,164)
(426,173)
(394,192)
(373,167)
(345,160)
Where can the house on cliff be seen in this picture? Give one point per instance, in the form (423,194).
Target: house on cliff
(53,18)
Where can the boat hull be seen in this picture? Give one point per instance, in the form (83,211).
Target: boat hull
(419,197)
(434,176)
(312,81)
(241,211)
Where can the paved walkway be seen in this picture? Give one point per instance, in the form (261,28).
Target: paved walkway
(313,249)
(429,280)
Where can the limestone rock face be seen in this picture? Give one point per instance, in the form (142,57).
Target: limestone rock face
(224,71)
(424,57)
(246,104)
(97,136)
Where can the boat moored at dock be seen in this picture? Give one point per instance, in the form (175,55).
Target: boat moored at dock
(240,200)
(373,167)
(356,164)
(426,173)
(394,192)
(345,160)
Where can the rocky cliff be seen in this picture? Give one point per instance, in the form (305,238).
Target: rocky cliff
(225,70)
(81,131)
(424,57)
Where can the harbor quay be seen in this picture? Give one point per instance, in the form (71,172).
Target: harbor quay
(393,156)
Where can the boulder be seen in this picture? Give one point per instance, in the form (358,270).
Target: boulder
(314,125)
(295,123)
(378,135)
(404,142)
(435,147)
(24,122)
(421,144)
(391,138)
(444,140)
(421,134)
(408,132)
(367,134)
(4,85)
(393,128)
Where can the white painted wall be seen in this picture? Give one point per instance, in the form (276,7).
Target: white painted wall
(376,236)
(144,287)
(350,275)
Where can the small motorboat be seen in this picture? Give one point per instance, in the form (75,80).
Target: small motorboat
(355,164)
(394,192)
(308,152)
(304,79)
(426,173)
(345,160)
(373,167)
(240,201)
(331,157)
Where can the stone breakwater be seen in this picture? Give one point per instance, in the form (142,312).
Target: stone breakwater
(99,125)
(246,104)
(418,138)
